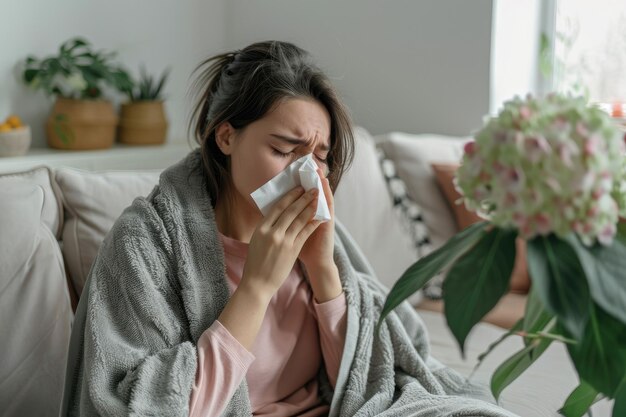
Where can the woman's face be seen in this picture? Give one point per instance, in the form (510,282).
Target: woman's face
(261,150)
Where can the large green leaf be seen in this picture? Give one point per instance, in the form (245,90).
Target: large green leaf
(560,281)
(619,408)
(579,401)
(427,267)
(477,281)
(605,268)
(513,367)
(600,357)
(30,74)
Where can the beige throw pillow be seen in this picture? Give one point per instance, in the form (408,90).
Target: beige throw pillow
(93,201)
(413,155)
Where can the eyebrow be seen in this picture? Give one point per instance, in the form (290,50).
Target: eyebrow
(298,141)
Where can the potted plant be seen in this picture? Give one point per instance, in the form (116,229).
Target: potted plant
(81,117)
(142,119)
(552,171)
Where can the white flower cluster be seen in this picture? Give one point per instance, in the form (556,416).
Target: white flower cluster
(547,165)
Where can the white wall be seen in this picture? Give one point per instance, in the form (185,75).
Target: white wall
(404,65)
(155,32)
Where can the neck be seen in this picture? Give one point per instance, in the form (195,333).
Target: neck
(236,218)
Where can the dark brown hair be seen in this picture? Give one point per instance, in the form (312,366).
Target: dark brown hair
(242,86)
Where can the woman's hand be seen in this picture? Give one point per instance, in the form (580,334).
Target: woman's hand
(273,250)
(277,241)
(317,253)
(272,253)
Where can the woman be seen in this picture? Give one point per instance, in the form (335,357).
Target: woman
(198,305)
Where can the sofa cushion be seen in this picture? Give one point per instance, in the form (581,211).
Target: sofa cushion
(412,219)
(444,174)
(363,204)
(52,210)
(410,213)
(92,202)
(413,156)
(35,310)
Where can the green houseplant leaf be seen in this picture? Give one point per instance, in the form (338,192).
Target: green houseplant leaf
(76,72)
(579,401)
(147,88)
(619,408)
(477,281)
(600,357)
(427,267)
(515,365)
(605,268)
(538,331)
(560,281)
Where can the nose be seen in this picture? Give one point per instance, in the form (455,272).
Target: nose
(324,168)
(319,164)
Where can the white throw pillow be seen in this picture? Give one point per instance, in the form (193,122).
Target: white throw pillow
(35,309)
(413,156)
(52,209)
(93,201)
(363,204)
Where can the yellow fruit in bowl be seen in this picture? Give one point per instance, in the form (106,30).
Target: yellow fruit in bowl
(14,121)
(5,127)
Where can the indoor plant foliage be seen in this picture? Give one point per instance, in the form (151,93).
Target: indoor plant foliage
(77,72)
(148,88)
(553,171)
(142,119)
(81,118)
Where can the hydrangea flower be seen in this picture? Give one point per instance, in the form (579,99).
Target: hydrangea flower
(547,165)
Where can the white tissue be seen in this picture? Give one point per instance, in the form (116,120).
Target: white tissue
(302,172)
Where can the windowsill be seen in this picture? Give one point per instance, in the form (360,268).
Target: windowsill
(119,156)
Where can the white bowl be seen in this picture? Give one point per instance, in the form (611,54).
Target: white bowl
(15,142)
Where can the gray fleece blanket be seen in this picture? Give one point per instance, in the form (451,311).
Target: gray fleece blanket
(159,281)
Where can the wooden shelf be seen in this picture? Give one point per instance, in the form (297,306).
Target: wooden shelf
(119,157)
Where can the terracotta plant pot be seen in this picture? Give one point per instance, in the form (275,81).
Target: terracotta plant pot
(143,123)
(81,124)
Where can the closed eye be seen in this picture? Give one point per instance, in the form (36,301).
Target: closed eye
(288,154)
(279,153)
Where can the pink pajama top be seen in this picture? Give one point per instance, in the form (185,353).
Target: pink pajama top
(296,336)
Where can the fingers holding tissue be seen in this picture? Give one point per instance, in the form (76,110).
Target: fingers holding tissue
(301,172)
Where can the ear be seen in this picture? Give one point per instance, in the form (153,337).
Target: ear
(225,137)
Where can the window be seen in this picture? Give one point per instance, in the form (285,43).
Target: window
(590,50)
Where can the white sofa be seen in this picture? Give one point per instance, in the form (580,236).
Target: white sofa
(53,220)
